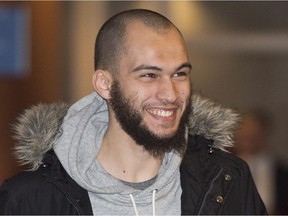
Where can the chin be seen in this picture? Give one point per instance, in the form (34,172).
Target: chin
(164,133)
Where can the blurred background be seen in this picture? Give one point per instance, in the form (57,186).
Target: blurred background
(239,53)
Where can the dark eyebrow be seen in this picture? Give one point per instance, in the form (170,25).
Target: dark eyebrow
(146,67)
(188,65)
(155,68)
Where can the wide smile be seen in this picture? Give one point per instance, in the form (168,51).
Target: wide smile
(165,113)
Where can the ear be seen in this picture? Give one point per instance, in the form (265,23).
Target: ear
(102,81)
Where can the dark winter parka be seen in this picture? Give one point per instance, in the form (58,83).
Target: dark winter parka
(212,180)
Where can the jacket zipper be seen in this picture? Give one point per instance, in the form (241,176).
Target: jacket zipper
(209,190)
(69,200)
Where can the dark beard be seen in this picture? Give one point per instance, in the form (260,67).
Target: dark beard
(131,122)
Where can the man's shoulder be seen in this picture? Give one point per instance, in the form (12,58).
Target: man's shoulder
(25,187)
(27,182)
(24,182)
(202,149)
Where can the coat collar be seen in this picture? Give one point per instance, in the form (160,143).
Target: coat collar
(37,127)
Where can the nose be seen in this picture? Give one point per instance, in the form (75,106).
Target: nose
(167,91)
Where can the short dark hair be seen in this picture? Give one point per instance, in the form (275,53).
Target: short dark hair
(110,40)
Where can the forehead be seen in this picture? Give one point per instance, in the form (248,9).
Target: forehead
(144,43)
(136,28)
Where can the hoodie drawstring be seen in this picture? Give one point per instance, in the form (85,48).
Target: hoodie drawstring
(134,204)
(153,203)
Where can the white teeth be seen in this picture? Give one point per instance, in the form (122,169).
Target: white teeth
(161,113)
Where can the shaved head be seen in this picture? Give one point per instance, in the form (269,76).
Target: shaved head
(110,42)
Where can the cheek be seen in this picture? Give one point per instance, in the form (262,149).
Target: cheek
(139,92)
(185,98)
(185,93)
(135,96)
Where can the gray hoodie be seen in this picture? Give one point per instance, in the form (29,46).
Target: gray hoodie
(78,141)
(83,129)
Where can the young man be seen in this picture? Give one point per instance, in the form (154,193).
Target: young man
(142,144)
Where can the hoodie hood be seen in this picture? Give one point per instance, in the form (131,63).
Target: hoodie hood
(79,143)
(37,128)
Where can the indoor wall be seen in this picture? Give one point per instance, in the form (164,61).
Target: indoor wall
(42,82)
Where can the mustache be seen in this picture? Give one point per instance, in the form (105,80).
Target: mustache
(163,104)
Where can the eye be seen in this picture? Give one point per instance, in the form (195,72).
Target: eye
(181,75)
(149,76)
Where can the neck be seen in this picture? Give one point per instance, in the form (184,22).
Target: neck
(126,160)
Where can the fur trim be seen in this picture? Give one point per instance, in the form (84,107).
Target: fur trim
(213,122)
(37,128)
(35,131)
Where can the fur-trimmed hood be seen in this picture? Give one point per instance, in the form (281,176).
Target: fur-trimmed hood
(36,129)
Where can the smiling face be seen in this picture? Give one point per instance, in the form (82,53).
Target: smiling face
(154,82)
